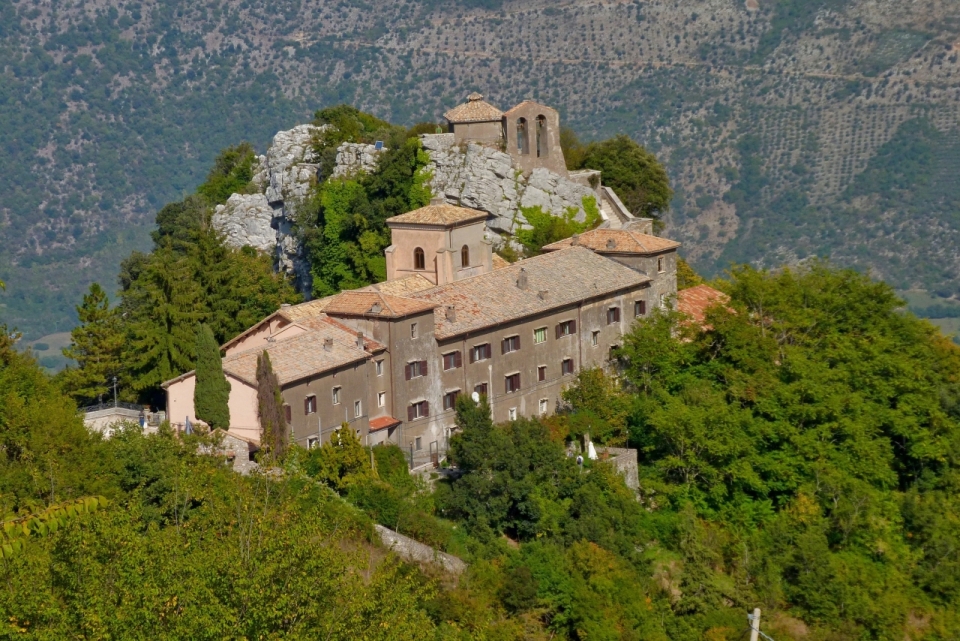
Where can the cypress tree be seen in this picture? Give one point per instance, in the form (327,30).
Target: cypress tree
(95,345)
(273,423)
(212,391)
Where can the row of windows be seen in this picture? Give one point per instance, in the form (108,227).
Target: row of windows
(420,258)
(310,405)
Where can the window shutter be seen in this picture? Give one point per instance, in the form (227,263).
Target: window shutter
(473,353)
(573,327)
(423,368)
(406,371)
(517,343)
(503,346)
(409,412)
(559,325)
(488,351)
(426,408)
(458,360)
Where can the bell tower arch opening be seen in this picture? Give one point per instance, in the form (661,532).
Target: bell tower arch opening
(541,136)
(522,146)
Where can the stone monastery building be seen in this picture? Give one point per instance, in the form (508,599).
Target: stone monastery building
(452,318)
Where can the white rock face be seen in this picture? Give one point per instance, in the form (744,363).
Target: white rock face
(483,178)
(353,158)
(290,164)
(246,220)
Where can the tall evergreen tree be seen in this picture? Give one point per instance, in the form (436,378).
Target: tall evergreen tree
(96,346)
(165,305)
(212,391)
(273,423)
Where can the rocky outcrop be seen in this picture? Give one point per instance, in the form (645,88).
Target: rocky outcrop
(353,158)
(484,178)
(290,165)
(247,219)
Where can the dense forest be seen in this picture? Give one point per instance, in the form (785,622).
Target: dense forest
(798,452)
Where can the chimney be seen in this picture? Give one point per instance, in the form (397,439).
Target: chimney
(376,309)
(438,200)
(522,278)
(575,239)
(542,294)
(283,305)
(359,340)
(611,244)
(451,314)
(327,344)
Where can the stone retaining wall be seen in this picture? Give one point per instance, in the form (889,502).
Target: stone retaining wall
(416,552)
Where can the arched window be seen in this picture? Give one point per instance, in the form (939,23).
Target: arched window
(419,260)
(464,256)
(541,136)
(522,136)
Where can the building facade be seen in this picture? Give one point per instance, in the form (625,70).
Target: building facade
(390,360)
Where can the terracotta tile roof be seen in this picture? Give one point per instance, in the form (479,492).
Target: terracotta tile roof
(617,241)
(383,422)
(475,109)
(298,357)
(525,103)
(694,301)
(440,214)
(564,277)
(323,322)
(499,262)
(310,309)
(402,286)
(359,303)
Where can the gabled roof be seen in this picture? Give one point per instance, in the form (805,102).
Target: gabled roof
(499,262)
(401,286)
(524,104)
(360,303)
(299,357)
(616,241)
(439,214)
(553,280)
(383,422)
(694,301)
(475,109)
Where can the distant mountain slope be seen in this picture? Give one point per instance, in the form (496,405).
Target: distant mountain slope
(799,128)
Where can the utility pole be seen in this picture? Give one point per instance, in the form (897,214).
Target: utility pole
(114,391)
(754,620)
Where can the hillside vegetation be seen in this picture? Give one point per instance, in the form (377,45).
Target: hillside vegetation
(765,119)
(799,454)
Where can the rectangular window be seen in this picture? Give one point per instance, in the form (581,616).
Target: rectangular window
(415,369)
(418,410)
(540,335)
(513,413)
(480,389)
(566,328)
(310,405)
(413,330)
(663,300)
(419,444)
(660,265)
(512,383)
(613,352)
(511,344)
(357,407)
(640,308)
(544,405)
(287,414)
(313,442)
(381,399)
(480,352)
(336,395)
(542,373)
(566,366)
(595,338)
(452,360)
(380,367)
(450,399)
(613,315)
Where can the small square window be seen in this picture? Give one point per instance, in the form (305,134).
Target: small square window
(544,406)
(595,338)
(513,413)
(481,389)
(452,360)
(313,442)
(640,308)
(380,367)
(381,399)
(450,399)
(566,367)
(613,315)
(512,383)
(541,373)
(511,344)
(336,395)
(413,330)
(480,352)
(357,409)
(310,405)
(540,335)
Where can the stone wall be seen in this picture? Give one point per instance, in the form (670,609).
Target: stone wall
(484,178)
(625,460)
(416,552)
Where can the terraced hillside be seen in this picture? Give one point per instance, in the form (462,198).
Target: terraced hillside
(791,128)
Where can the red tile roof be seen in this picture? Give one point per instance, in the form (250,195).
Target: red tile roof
(694,301)
(383,422)
(439,214)
(358,303)
(474,110)
(616,241)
